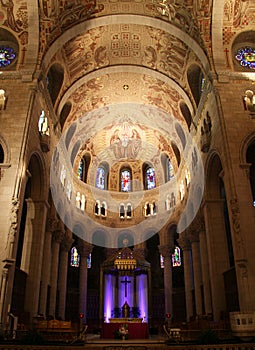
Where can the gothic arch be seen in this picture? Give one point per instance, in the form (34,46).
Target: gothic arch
(55,78)
(246,142)
(64,113)
(37,183)
(213,170)
(195,76)
(6,150)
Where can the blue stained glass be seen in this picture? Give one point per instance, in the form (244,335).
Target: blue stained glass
(89,261)
(75,257)
(150,178)
(80,171)
(125,181)
(246,57)
(100,178)
(7,55)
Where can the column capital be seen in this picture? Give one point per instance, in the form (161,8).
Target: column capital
(85,248)
(51,224)
(193,235)
(66,243)
(59,232)
(166,250)
(184,243)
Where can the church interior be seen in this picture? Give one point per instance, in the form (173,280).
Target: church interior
(127,165)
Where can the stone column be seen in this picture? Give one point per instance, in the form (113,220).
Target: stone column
(62,279)
(188,274)
(45,279)
(194,239)
(56,239)
(166,252)
(205,272)
(84,249)
(217,252)
(36,258)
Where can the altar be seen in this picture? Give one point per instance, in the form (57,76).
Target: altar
(136,330)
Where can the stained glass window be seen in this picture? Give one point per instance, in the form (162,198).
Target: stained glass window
(75,257)
(89,261)
(150,178)
(176,257)
(170,170)
(100,178)
(246,57)
(162,261)
(80,171)
(125,181)
(7,55)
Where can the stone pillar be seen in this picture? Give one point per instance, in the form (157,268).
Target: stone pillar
(45,279)
(205,272)
(166,252)
(36,257)
(84,249)
(217,252)
(62,279)
(188,274)
(194,239)
(56,239)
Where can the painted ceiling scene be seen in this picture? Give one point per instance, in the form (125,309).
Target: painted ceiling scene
(132,69)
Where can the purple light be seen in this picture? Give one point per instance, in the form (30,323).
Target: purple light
(108,296)
(142,296)
(126,288)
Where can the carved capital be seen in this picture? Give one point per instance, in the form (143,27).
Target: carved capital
(85,248)
(66,243)
(51,224)
(166,250)
(184,243)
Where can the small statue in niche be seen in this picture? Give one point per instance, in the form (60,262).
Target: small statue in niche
(126,310)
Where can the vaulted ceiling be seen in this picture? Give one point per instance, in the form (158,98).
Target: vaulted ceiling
(113,53)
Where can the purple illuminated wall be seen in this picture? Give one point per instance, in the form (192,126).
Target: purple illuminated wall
(142,295)
(109,283)
(126,294)
(126,291)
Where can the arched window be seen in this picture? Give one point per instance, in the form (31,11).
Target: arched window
(176,257)
(83,202)
(89,261)
(82,171)
(196,82)
(104,209)
(55,79)
(147,210)
(97,208)
(1,154)
(170,169)
(150,178)
(167,167)
(125,180)
(129,210)
(162,261)
(250,158)
(100,178)
(122,211)
(75,257)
